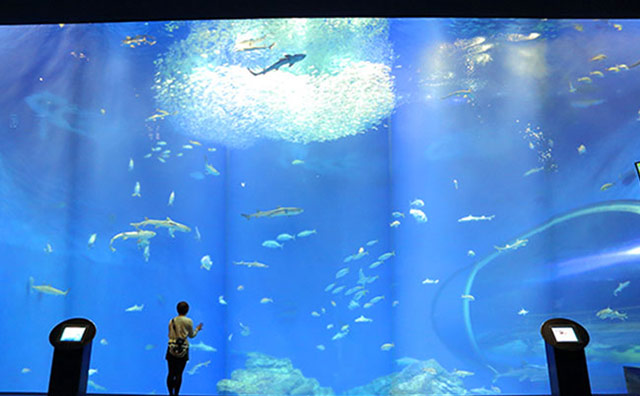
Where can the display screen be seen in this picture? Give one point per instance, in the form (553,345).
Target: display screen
(73,334)
(564,334)
(349,205)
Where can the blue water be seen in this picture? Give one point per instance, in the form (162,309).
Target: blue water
(472,117)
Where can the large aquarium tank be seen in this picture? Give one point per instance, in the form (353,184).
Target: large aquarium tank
(350,206)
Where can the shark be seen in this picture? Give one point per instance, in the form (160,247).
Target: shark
(47,289)
(169,224)
(286,59)
(621,286)
(201,346)
(252,44)
(518,243)
(475,218)
(279,211)
(251,264)
(142,236)
(531,372)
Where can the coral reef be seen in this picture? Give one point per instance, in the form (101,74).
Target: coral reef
(267,375)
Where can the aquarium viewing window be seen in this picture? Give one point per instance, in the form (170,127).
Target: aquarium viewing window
(351,206)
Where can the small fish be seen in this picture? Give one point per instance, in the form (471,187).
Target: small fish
(376,299)
(306,233)
(621,286)
(533,170)
(211,149)
(266,300)
(363,319)
(48,249)
(333,303)
(394,224)
(320,347)
(614,69)
(395,303)
(475,218)
(271,244)
(130,164)
(210,170)
(205,262)
(338,289)
(92,371)
(146,253)
(330,326)
(397,215)
(230,337)
(471,253)
(462,373)
(596,73)
(195,143)
(606,186)
(172,198)
(353,289)
(161,143)
(339,335)
(329,287)
(92,240)
(582,149)
(523,312)
(156,149)
(221,300)
(285,237)
(428,281)
(468,297)
(598,57)
(136,190)
(578,27)
(585,80)
(418,215)
(387,347)
(418,203)
(149,347)
(455,183)
(372,242)
(25,370)
(162,160)
(104,342)
(240,288)
(353,305)
(187,146)
(297,162)
(375,264)
(95,386)
(342,272)
(148,155)
(617,26)
(386,256)
(135,308)
(315,314)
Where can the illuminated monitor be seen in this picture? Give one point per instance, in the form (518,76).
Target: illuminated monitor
(72,334)
(564,334)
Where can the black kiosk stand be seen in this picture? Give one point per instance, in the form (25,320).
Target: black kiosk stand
(71,341)
(565,341)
